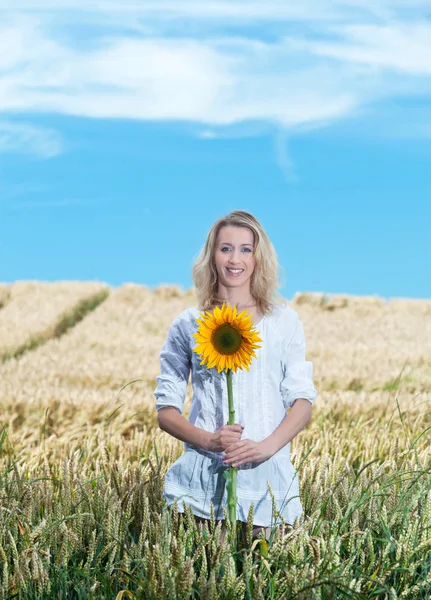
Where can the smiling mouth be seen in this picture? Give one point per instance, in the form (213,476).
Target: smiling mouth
(234,272)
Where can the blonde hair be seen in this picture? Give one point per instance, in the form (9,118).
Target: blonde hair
(266,275)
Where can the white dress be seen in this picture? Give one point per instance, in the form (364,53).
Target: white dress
(278,376)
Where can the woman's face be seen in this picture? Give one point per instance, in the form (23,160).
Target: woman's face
(234,256)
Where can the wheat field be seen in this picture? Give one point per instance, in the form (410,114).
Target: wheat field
(82,459)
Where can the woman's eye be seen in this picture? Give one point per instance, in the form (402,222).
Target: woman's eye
(227,248)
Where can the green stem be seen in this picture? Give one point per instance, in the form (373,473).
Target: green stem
(231,488)
(230,398)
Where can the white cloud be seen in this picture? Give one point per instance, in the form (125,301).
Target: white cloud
(227,10)
(22,137)
(217,82)
(283,157)
(233,10)
(208,134)
(403,47)
(327,61)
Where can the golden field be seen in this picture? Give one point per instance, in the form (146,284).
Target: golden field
(82,459)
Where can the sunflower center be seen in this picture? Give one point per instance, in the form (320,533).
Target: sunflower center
(226,339)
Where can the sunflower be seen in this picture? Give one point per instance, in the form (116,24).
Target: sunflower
(226,339)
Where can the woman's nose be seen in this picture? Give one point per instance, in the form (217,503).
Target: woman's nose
(235,258)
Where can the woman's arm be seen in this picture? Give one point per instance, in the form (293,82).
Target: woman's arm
(175,424)
(249,451)
(171,421)
(292,424)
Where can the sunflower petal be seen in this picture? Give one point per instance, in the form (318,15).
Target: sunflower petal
(211,346)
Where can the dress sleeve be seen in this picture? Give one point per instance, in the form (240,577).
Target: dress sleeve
(297,381)
(175,365)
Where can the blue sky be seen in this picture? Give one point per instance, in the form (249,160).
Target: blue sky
(127,130)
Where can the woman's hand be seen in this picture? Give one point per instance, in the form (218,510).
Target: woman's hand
(246,451)
(224,437)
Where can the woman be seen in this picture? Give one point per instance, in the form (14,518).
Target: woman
(238,265)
